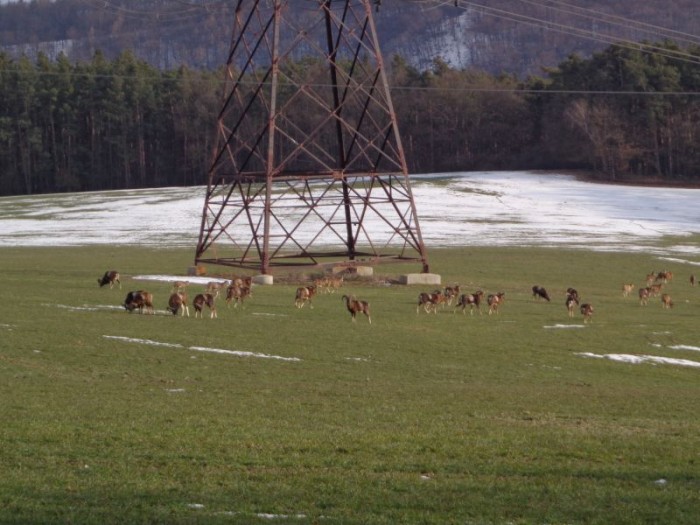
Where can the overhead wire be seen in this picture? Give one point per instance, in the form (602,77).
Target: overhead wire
(193,9)
(597,36)
(624,22)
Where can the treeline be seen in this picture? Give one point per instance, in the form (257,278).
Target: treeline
(623,114)
(103,125)
(122,123)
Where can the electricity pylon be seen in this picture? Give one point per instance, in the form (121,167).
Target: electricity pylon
(308,169)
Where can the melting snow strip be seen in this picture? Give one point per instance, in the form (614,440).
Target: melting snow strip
(637,359)
(85,307)
(237,353)
(563,326)
(240,353)
(173,278)
(142,341)
(685,347)
(683,261)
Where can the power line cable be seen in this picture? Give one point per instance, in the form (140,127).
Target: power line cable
(582,33)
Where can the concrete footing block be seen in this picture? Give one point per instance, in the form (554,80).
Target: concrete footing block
(364,271)
(420,278)
(263,279)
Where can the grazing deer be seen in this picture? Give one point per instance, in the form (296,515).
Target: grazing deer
(304,295)
(692,280)
(473,300)
(110,277)
(139,299)
(587,312)
(494,301)
(627,289)
(651,277)
(200,301)
(538,292)
(178,302)
(356,306)
(666,301)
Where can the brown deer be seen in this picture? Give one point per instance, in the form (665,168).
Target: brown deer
(425,301)
(644,294)
(304,295)
(587,312)
(178,302)
(494,301)
(179,286)
(627,289)
(451,292)
(571,304)
(356,306)
(237,294)
(473,300)
(140,299)
(200,301)
(110,277)
(666,301)
(540,292)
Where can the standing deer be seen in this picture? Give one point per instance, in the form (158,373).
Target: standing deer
(200,301)
(356,306)
(587,312)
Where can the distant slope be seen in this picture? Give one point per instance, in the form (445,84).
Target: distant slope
(510,36)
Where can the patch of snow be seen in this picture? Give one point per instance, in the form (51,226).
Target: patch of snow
(267,516)
(454,209)
(142,341)
(685,347)
(637,359)
(173,278)
(237,353)
(240,353)
(86,308)
(564,326)
(681,261)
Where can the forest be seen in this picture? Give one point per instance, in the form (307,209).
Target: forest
(622,114)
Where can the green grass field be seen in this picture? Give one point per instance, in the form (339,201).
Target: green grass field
(110,417)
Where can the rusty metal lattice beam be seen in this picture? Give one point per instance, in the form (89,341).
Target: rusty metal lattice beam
(309,168)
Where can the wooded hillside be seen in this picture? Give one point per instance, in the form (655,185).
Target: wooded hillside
(122,123)
(518,37)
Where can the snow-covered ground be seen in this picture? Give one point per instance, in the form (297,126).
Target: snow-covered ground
(454,209)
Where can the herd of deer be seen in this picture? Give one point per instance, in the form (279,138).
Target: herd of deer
(429,302)
(654,287)
(305,294)
(239,289)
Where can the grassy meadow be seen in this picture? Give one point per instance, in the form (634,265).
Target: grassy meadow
(111,417)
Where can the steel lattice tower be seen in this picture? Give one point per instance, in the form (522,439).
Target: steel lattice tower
(309,169)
